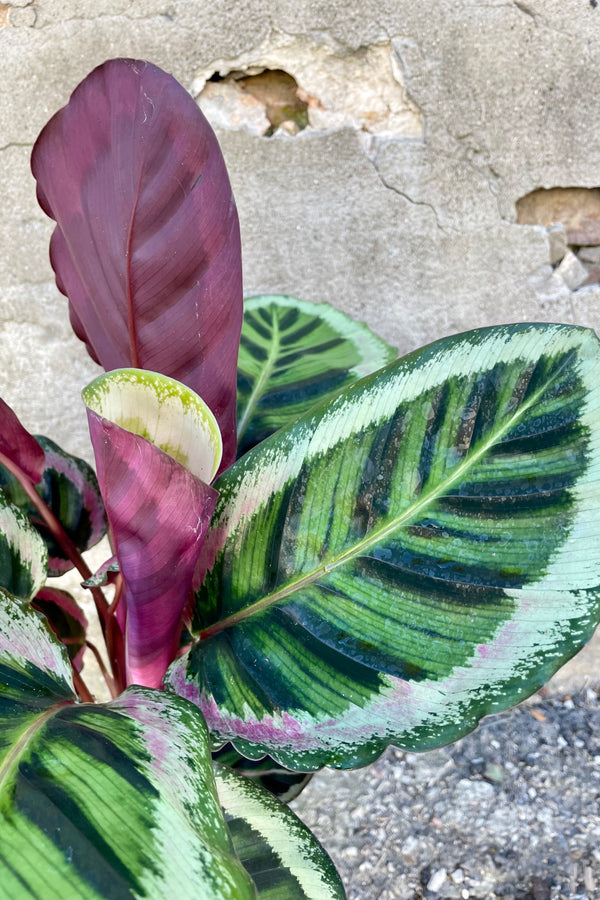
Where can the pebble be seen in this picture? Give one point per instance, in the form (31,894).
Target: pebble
(437,880)
(535,834)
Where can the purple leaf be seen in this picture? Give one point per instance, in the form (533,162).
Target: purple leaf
(147,245)
(18,446)
(159,513)
(66,619)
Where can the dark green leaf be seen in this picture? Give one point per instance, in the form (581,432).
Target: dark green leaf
(421,551)
(279,781)
(66,620)
(294,353)
(23,554)
(70,489)
(284,859)
(109,801)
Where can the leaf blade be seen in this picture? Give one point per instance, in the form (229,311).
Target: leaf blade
(69,488)
(23,554)
(20,447)
(147,244)
(102,801)
(382,573)
(294,353)
(283,857)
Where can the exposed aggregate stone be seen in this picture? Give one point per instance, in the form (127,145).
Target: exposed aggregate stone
(511,811)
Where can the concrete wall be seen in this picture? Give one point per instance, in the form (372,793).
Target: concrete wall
(428,121)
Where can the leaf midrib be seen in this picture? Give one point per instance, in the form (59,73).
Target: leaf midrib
(376,535)
(266,373)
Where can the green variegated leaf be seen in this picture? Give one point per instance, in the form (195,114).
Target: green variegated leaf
(102,801)
(23,554)
(283,783)
(294,353)
(419,552)
(70,489)
(283,857)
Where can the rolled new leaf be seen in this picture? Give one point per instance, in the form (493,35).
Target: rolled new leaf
(418,553)
(146,245)
(157,445)
(102,801)
(294,353)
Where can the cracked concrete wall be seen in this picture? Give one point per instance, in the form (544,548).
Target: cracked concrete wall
(409,225)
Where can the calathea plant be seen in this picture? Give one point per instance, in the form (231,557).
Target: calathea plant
(355,551)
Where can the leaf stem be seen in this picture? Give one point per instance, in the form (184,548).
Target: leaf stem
(110,682)
(83,692)
(115,642)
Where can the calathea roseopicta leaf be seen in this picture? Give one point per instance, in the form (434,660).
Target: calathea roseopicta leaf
(19,447)
(69,488)
(23,554)
(146,245)
(279,781)
(294,353)
(102,801)
(419,552)
(66,619)
(157,447)
(282,855)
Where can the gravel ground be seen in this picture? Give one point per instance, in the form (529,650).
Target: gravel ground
(510,811)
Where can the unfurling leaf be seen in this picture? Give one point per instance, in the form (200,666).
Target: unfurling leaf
(146,245)
(419,552)
(156,445)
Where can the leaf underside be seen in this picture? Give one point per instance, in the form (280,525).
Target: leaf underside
(279,781)
(294,353)
(147,245)
(418,553)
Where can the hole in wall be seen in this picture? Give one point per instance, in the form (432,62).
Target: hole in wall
(571,216)
(265,101)
(291,85)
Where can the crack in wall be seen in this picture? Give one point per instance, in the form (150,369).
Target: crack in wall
(406,196)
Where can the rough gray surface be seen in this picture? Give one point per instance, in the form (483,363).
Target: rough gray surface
(510,811)
(412,229)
